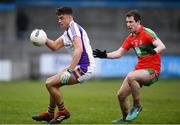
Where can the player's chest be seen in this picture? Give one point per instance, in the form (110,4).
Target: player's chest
(68,42)
(138,41)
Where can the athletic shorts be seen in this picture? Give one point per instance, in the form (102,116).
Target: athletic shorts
(83,74)
(154,76)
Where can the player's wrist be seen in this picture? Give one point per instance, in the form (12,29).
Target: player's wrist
(105,55)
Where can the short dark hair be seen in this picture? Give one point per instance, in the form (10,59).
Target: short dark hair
(64,10)
(135,14)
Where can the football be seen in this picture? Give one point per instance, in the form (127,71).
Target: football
(38,37)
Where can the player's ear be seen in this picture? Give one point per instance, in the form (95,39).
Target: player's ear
(70,17)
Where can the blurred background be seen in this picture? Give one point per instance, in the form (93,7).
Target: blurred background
(104,21)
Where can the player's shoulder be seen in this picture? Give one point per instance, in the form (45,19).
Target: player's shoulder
(129,36)
(128,39)
(73,24)
(148,30)
(149,33)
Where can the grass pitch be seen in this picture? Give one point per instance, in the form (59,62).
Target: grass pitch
(93,102)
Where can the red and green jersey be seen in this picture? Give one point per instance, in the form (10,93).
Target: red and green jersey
(143,39)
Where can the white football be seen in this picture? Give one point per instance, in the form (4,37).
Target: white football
(38,37)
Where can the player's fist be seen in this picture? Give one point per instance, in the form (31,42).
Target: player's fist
(38,37)
(64,78)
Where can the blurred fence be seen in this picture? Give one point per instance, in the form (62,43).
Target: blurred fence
(52,63)
(103,20)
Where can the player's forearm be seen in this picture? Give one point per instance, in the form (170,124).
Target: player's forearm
(116,54)
(113,55)
(50,44)
(54,45)
(76,57)
(160,47)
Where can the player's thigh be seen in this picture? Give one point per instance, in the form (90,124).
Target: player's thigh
(55,80)
(142,76)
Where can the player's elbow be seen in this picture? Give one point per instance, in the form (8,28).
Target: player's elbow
(54,48)
(163,47)
(160,45)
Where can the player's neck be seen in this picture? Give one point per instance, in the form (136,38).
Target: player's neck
(70,21)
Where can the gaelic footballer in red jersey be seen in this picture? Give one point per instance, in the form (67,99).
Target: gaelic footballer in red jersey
(144,40)
(147,47)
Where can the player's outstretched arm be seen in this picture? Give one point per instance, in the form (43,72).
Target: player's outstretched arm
(116,54)
(111,55)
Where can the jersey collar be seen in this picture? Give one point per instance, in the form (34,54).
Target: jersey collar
(139,31)
(70,24)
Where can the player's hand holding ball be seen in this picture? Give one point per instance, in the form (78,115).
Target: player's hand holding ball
(38,37)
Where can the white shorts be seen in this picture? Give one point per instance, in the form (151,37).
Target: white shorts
(83,74)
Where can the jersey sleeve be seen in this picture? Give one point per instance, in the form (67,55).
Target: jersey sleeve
(150,35)
(73,31)
(67,42)
(127,44)
(63,37)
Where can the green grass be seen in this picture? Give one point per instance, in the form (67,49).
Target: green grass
(94,102)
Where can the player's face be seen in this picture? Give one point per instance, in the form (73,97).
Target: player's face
(132,25)
(64,20)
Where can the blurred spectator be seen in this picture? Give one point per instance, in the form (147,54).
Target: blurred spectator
(22,23)
(178,27)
